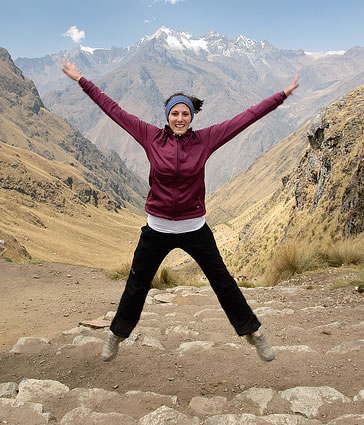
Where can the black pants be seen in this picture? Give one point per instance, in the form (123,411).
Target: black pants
(152,248)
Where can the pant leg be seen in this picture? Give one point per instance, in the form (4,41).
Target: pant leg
(151,250)
(202,247)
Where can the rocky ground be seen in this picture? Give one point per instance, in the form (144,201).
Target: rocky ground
(183,364)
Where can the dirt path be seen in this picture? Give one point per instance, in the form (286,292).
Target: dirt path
(306,320)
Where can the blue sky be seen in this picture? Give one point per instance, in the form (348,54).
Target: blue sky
(39,27)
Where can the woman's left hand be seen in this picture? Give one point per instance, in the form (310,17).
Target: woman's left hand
(289,90)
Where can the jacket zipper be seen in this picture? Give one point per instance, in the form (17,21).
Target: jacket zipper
(177,173)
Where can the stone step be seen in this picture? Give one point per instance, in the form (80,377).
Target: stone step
(44,401)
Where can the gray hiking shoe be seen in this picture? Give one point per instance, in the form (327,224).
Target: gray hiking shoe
(111,346)
(264,350)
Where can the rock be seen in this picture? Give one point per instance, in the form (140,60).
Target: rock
(77,330)
(8,390)
(263,311)
(19,413)
(164,298)
(358,325)
(182,330)
(40,391)
(208,406)
(152,342)
(233,345)
(209,313)
(329,325)
(152,398)
(82,416)
(245,419)
(165,415)
(109,315)
(93,398)
(186,346)
(149,315)
(295,348)
(82,340)
(191,299)
(348,420)
(29,344)
(359,396)
(346,347)
(96,323)
(258,398)
(309,400)
(150,331)
(314,309)
(248,419)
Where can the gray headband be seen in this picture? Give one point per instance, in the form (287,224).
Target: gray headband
(179,99)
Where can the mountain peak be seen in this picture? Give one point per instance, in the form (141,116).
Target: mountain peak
(242,40)
(162,30)
(91,50)
(177,40)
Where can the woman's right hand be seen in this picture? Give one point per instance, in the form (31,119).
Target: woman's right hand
(71,71)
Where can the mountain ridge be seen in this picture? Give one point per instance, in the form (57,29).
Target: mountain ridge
(28,124)
(60,196)
(230,75)
(315,200)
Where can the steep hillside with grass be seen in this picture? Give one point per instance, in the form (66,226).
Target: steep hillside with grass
(320,202)
(26,123)
(45,217)
(61,199)
(243,194)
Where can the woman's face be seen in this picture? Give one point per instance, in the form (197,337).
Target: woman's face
(179,118)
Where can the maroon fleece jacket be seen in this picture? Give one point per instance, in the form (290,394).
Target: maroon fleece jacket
(177,163)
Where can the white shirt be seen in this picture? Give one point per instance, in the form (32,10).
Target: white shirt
(164,225)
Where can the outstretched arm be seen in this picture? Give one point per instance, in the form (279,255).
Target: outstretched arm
(289,90)
(71,71)
(219,134)
(141,131)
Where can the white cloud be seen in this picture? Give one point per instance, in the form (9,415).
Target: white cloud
(75,34)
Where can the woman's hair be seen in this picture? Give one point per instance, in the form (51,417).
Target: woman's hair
(197,103)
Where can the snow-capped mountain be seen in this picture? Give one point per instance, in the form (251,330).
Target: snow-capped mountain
(230,75)
(164,42)
(209,46)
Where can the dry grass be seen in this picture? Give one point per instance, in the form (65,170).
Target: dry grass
(121,272)
(166,278)
(59,227)
(346,252)
(288,260)
(291,259)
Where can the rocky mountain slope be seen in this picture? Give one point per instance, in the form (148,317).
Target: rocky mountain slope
(230,75)
(182,365)
(320,199)
(45,71)
(54,183)
(49,211)
(26,123)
